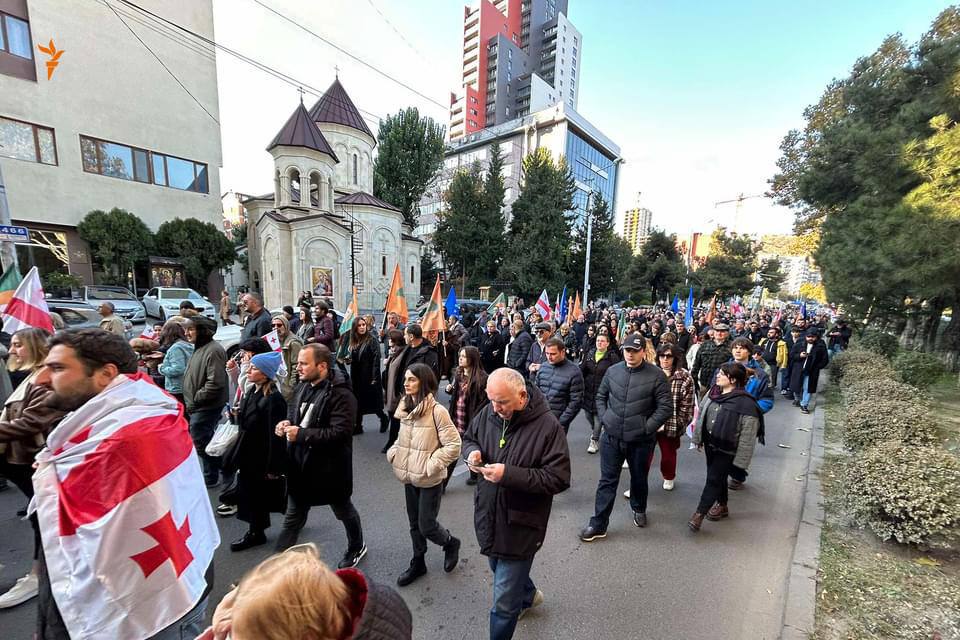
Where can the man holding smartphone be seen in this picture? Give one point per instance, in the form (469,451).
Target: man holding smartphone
(519,450)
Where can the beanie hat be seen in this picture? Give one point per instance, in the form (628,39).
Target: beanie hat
(268,363)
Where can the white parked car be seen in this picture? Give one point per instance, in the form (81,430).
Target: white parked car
(164,302)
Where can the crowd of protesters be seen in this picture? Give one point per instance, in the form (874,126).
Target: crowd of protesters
(642,377)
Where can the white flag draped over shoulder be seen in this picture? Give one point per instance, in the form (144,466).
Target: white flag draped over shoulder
(126,524)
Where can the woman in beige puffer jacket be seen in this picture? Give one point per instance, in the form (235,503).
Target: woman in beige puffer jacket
(427,444)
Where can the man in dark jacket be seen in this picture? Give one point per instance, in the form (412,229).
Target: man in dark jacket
(519,349)
(536,357)
(319,433)
(521,454)
(417,350)
(633,403)
(205,390)
(258,320)
(839,337)
(809,356)
(683,337)
(711,355)
(324,331)
(561,382)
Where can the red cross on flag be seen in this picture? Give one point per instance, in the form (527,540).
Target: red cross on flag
(126,523)
(543,306)
(273,339)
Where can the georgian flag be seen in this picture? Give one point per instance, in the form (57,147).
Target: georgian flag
(28,306)
(543,306)
(125,520)
(273,339)
(148,333)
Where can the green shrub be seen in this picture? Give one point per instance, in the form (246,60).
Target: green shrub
(879,341)
(908,493)
(870,420)
(859,364)
(919,369)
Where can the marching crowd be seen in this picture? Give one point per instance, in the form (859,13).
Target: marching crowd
(272,428)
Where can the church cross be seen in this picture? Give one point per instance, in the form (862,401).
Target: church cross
(336,71)
(301,92)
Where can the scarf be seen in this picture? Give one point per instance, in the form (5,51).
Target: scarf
(731,406)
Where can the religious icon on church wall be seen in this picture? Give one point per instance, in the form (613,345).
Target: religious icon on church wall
(321,282)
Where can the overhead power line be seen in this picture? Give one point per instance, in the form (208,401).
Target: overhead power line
(396,31)
(165,67)
(294,82)
(351,55)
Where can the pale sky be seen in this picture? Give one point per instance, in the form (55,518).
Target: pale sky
(697,94)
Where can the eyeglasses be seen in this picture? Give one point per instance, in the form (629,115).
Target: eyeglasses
(278,326)
(666,355)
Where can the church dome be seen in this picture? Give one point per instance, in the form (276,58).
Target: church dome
(300,131)
(336,107)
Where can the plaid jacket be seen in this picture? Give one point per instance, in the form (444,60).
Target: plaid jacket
(709,357)
(681,390)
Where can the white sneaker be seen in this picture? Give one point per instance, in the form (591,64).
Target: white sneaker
(626,494)
(668,485)
(26,588)
(625,465)
(537,601)
(592,447)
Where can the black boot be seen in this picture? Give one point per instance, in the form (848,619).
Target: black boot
(451,554)
(250,539)
(417,568)
(384,423)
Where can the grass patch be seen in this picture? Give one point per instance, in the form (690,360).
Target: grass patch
(868,589)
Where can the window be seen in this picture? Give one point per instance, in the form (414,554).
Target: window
(140,165)
(383,266)
(15,36)
(411,274)
(26,141)
(354,168)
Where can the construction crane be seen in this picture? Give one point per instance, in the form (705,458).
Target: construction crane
(736,212)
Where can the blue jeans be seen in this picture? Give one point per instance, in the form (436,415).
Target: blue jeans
(513,591)
(805,399)
(784,378)
(188,627)
(613,451)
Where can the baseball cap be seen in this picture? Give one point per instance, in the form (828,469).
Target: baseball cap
(721,326)
(634,341)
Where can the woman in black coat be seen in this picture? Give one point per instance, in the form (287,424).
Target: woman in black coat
(260,453)
(468,394)
(491,348)
(365,375)
(595,364)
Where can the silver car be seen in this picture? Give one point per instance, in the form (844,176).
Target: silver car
(164,302)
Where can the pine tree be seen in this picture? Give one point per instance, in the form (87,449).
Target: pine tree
(610,255)
(456,224)
(540,230)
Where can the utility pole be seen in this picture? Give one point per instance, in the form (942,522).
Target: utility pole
(8,253)
(586,265)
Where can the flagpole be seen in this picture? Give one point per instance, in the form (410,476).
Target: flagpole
(586,264)
(8,254)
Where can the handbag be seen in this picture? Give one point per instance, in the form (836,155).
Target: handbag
(275,494)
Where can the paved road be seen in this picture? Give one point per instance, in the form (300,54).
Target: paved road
(662,582)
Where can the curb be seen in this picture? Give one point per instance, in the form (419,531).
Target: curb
(801,595)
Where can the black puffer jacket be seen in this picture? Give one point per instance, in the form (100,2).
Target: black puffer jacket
(634,402)
(510,517)
(519,349)
(563,386)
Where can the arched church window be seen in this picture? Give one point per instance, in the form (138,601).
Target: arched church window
(383,265)
(295,187)
(355,169)
(314,189)
(411,275)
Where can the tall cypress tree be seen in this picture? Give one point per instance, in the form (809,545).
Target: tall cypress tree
(540,229)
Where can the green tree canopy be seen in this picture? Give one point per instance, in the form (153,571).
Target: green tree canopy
(410,154)
(610,254)
(771,275)
(200,246)
(658,269)
(540,228)
(118,239)
(728,270)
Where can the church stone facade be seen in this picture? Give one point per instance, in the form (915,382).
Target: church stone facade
(301,236)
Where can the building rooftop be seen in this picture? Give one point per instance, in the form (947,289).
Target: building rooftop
(365,199)
(336,107)
(300,131)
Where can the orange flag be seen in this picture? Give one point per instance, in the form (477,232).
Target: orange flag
(433,316)
(712,313)
(576,307)
(396,301)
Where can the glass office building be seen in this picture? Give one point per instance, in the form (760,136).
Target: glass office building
(591,168)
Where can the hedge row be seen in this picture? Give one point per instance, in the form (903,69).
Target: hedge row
(898,482)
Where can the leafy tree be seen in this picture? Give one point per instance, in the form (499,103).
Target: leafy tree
(118,240)
(728,271)
(771,275)
(540,229)
(410,154)
(610,255)
(814,292)
(658,267)
(200,246)
(469,232)
(428,273)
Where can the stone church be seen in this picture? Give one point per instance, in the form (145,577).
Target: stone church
(322,230)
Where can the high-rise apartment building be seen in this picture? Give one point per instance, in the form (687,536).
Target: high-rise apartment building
(636,227)
(519,57)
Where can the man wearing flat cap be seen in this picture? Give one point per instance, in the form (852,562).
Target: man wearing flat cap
(542,331)
(710,356)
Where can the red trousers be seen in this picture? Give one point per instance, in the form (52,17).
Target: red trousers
(668,456)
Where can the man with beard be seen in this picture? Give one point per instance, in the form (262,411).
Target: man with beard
(81,365)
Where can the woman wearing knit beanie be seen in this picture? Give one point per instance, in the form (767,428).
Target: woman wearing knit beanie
(260,453)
